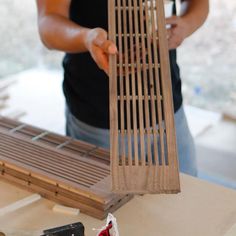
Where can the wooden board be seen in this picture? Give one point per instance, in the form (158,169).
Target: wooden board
(194,212)
(68,171)
(143,140)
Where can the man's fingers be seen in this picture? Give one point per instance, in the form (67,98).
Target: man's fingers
(100,47)
(102,62)
(106,45)
(172,20)
(101,59)
(174,43)
(169,33)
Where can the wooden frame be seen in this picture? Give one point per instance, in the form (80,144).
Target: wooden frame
(71,172)
(143,155)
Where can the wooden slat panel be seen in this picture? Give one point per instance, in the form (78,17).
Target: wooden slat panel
(54,140)
(76,174)
(141,103)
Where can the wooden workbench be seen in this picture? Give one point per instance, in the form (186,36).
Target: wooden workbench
(201,209)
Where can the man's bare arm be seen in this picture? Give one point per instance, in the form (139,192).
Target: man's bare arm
(55,28)
(58,32)
(185,25)
(196,14)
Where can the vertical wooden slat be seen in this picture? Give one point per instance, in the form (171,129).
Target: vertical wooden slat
(133,84)
(151,77)
(156,46)
(127,85)
(145,83)
(121,90)
(113,98)
(166,85)
(139,79)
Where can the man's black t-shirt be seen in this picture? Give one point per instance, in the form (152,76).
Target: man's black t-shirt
(85,86)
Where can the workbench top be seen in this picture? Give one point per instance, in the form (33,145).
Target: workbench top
(201,209)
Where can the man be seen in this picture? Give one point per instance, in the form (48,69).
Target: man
(79,28)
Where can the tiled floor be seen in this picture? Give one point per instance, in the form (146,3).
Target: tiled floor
(38,93)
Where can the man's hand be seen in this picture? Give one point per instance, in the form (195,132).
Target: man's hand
(178,32)
(100,47)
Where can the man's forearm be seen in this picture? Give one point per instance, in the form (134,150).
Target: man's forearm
(195,14)
(57,32)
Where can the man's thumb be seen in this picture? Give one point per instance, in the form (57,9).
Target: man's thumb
(109,47)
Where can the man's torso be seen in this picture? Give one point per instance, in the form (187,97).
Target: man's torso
(86,87)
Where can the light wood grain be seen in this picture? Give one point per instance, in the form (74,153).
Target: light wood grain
(143,140)
(19,204)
